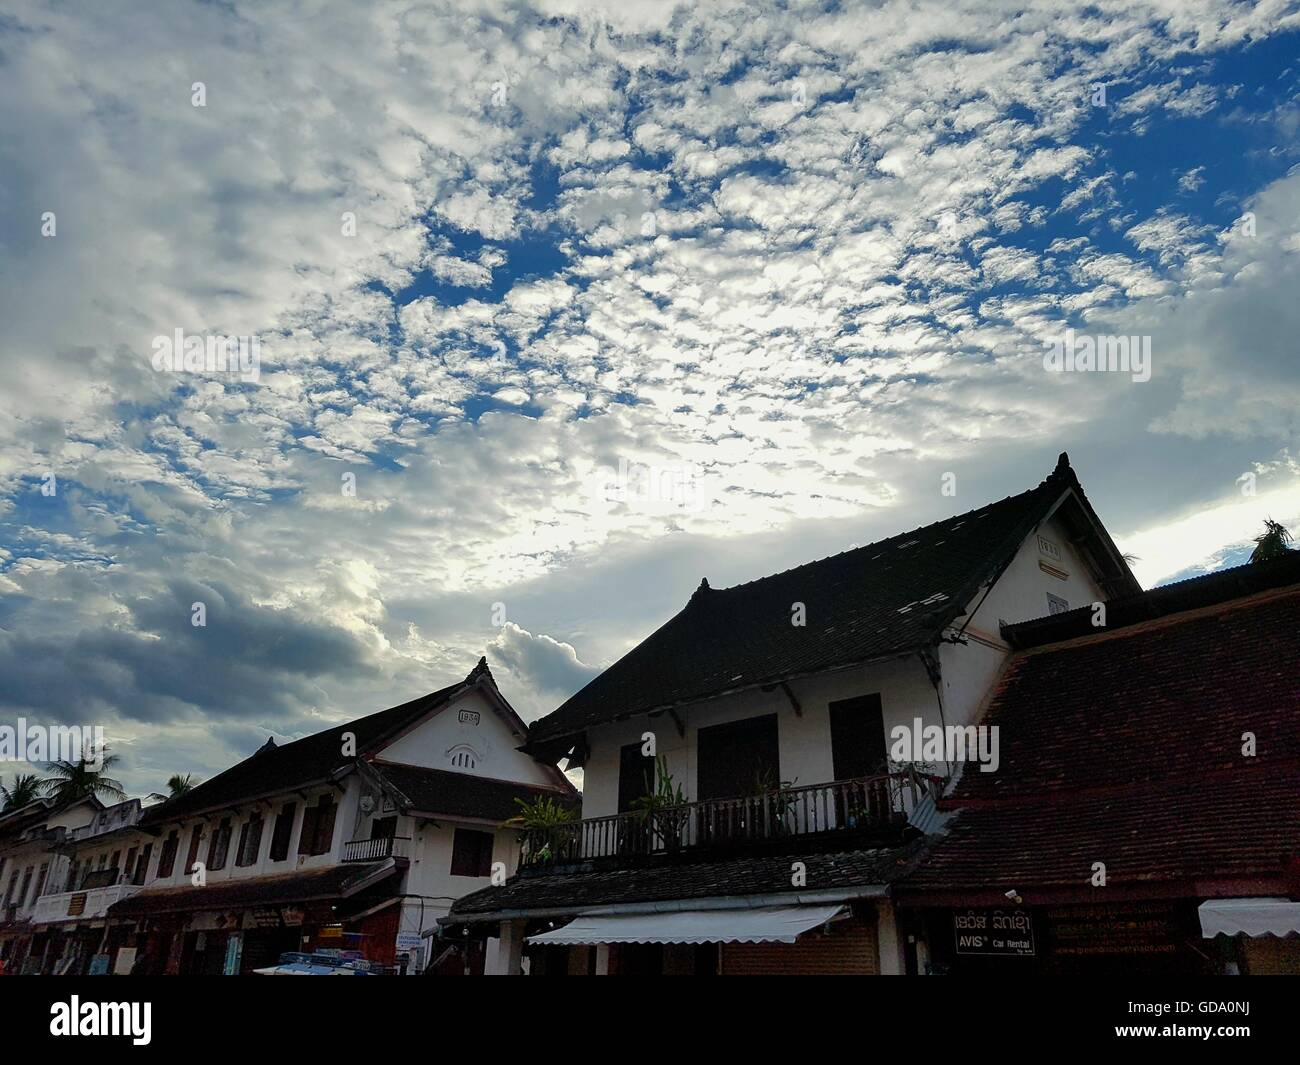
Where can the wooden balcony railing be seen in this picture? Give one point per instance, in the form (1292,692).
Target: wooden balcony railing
(374,850)
(865,806)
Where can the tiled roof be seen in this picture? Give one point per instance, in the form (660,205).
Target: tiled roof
(887,598)
(1125,747)
(765,875)
(332,882)
(308,760)
(438,791)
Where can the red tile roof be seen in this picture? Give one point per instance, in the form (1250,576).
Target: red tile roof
(1125,747)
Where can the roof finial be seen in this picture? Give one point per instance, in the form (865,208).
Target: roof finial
(704,587)
(479,669)
(1062,462)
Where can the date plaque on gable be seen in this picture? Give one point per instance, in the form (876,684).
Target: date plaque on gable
(469,717)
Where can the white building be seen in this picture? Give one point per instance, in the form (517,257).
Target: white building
(772,707)
(355,840)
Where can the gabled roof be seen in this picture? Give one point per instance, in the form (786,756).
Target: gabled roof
(888,598)
(313,759)
(1126,747)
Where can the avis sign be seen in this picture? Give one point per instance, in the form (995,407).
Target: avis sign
(1003,933)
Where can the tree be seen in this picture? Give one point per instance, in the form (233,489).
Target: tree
(26,788)
(179,785)
(71,781)
(1271,543)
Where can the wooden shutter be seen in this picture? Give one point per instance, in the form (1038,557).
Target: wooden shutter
(307,839)
(325,825)
(196,837)
(283,830)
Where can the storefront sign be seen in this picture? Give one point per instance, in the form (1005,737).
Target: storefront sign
(331,931)
(1121,928)
(409,940)
(1004,933)
(266,918)
(291,916)
(99,965)
(125,961)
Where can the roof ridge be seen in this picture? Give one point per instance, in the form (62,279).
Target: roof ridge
(704,585)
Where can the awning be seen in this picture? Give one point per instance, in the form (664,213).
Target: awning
(769,924)
(1249,917)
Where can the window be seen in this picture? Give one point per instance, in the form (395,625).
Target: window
(857,738)
(471,853)
(318,827)
(40,880)
(167,857)
(636,776)
(71,883)
(219,845)
(142,865)
(13,884)
(283,830)
(383,827)
(739,758)
(129,871)
(195,838)
(1056,605)
(27,883)
(250,841)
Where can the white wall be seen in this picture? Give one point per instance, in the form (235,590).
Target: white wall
(468,724)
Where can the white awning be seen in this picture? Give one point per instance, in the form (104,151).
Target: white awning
(768,924)
(1250,917)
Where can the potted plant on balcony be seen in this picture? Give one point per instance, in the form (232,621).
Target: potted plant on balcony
(777,800)
(539,820)
(664,809)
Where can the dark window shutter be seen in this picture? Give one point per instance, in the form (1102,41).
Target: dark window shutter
(283,830)
(167,859)
(471,853)
(737,759)
(636,776)
(857,737)
(310,819)
(325,825)
(195,838)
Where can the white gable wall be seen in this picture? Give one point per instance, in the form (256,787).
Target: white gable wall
(468,736)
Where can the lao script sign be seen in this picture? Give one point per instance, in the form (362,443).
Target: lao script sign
(1005,933)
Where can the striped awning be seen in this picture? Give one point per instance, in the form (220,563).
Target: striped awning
(768,924)
(1250,917)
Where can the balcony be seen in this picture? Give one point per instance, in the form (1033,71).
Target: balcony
(376,850)
(86,905)
(853,811)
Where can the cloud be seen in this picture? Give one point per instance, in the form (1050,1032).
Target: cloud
(495,254)
(544,665)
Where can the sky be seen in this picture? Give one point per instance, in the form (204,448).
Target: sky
(560,307)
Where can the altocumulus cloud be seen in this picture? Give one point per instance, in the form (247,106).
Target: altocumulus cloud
(491,250)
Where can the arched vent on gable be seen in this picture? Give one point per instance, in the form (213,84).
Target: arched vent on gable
(463,756)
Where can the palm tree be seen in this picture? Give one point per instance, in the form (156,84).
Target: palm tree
(179,785)
(1271,543)
(77,780)
(27,788)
